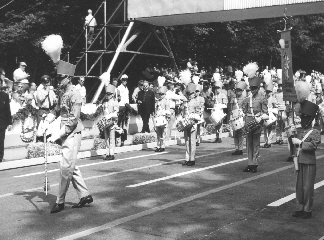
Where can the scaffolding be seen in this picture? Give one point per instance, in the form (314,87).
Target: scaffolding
(113,38)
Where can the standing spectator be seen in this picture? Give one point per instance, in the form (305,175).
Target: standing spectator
(137,90)
(45,97)
(90,22)
(114,82)
(5,118)
(83,91)
(146,105)
(20,75)
(124,99)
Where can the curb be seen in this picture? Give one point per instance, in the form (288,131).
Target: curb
(93,153)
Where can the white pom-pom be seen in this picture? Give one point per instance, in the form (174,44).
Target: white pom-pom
(105,78)
(267,78)
(52,45)
(273,72)
(195,79)
(302,91)
(238,75)
(308,78)
(161,80)
(185,77)
(216,76)
(251,69)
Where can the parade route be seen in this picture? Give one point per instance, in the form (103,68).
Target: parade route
(212,200)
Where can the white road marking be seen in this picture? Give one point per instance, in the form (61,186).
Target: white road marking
(185,173)
(293,195)
(120,221)
(92,164)
(108,174)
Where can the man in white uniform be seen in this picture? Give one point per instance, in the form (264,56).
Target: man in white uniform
(90,22)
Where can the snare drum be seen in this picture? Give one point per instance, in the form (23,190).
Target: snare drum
(251,125)
(104,123)
(184,124)
(160,121)
(237,123)
(272,119)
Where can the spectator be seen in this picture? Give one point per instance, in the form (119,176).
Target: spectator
(46,98)
(20,75)
(5,118)
(146,105)
(124,99)
(80,87)
(137,89)
(90,22)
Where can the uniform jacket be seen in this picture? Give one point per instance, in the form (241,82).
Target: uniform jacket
(239,100)
(162,107)
(5,113)
(309,146)
(259,105)
(70,109)
(148,102)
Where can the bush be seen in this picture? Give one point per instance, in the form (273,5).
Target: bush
(36,150)
(141,138)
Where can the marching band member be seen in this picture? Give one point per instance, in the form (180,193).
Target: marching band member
(306,141)
(281,107)
(272,107)
(201,102)
(192,111)
(236,103)
(111,109)
(254,108)
(219,98)
(162,110)
(70,134)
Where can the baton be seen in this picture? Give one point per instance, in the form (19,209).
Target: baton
(46,183)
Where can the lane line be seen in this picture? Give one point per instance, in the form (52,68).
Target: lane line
(92,164)
(185,173)
(123,220)
(108,174)
(293,195)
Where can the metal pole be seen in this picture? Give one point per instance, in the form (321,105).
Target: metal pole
(113,61)
(105,20)
(86,53)
(68,55)
(170,51)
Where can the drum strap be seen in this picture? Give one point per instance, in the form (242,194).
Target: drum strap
(251,105)
(304,138)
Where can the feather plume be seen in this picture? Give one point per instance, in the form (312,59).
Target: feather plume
(52,45)
(308,78)
(195,79)
(267,78)
(302,91)
(185,77)
(105,78)
(238,75)
(251,69)
(161,80)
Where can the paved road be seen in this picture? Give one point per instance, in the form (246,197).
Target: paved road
(148,195)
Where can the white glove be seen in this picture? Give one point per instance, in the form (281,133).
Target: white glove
(258,119)
(53,138)
(296,141)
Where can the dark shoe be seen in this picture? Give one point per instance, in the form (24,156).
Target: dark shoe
(219,140)
(281,142)
(191,163)
(266,145)
(57,208)
(216,140)
(254,169)
(307,215)
(83,201)
(240,152)
(110,157)
(157,149)
(185,163)
(290,159)
(236,152)
(122,144)
(277,142)
(248,168)
(197,144)
(106,157)
(298,214)
(162,149)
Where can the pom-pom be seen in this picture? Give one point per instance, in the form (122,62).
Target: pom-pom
(302,91)
(185,77)
(267,78)
(161,81)
(52,45)
(105,77)
(251,69)
(308,78)
(238,75)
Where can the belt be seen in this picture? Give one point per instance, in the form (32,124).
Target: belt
(44,108)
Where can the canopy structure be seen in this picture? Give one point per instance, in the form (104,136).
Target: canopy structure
(182,12)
